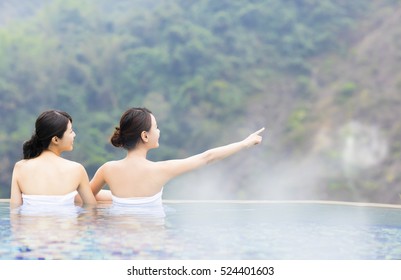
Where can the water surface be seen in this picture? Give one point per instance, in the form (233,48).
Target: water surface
(204,230)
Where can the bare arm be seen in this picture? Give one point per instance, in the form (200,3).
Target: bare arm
(98,181)
(84,190)
(96,185)
(173,168)
(16,195)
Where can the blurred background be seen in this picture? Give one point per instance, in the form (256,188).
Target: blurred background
(323,77)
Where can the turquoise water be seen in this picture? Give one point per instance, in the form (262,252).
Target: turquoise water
(202,230)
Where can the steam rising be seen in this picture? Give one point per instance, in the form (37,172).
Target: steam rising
(351,148)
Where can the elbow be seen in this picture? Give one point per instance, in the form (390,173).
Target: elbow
(208,158)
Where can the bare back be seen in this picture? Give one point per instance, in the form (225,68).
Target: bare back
(129,178)
(48,175)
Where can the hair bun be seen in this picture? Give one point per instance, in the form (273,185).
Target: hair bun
(116,138)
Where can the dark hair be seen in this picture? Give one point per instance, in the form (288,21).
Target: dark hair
(48,124)
(132,123)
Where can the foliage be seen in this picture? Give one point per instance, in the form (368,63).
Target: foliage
(194,63)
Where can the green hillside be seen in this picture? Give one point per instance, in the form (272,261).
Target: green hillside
(322,76)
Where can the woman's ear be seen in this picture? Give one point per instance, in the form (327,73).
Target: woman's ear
(55,140)
(144,137)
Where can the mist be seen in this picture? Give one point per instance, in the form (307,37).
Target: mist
(324,83)
(358,147)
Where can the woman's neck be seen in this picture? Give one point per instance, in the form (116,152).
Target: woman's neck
(51,152)
(137,152)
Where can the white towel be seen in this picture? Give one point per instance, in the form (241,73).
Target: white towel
(155,200)
(60,200)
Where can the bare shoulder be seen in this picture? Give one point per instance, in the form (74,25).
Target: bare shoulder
(160,164)
(19,165)
(167,165)
(71,163)
(175,167)
(110,164)
(76,166)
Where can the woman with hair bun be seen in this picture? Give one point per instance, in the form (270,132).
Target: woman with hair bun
(43,177)
(135,180)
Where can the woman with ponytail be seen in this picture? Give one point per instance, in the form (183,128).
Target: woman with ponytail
(135,180)
(43,176)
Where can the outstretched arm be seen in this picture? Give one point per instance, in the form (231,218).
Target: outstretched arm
(173,168)
(228,150)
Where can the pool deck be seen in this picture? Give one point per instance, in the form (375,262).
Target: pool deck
(360,204)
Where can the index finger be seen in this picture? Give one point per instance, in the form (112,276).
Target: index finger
(259,131)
